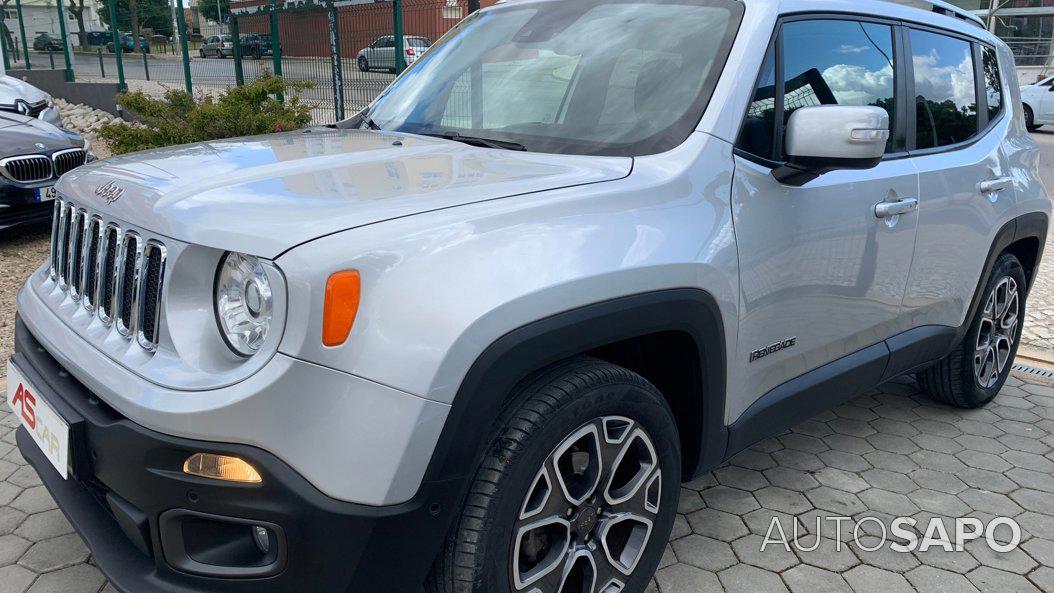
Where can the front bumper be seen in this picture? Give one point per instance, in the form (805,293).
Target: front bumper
(19,206)
(126,483)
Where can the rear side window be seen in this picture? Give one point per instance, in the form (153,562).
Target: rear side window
(825,62)
(945,89)
(993,83)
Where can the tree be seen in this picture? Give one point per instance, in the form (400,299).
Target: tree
(76,8)
(151,14)
(208,9)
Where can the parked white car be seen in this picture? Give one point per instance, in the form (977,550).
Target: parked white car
(18,96)
(476,337)
(380,55)
(1038,100)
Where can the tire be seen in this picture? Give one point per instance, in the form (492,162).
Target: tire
(201,52)
(972,375)
(1030,120)
(520,528)
(364,64)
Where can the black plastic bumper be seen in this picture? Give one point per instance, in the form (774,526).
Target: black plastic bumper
(125,477)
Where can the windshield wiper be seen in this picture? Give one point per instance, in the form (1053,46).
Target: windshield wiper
(478,141)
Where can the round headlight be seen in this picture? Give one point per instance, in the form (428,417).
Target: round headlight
(243,302)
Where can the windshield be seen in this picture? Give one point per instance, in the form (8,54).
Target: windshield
(605,77)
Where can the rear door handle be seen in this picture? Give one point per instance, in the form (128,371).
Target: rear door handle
(995,185)
(896,207)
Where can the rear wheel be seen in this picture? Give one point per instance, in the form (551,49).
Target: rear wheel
(576,493)
(972,375)
(364,64)
(1030,119)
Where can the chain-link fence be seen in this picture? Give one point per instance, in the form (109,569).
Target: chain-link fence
(349,51)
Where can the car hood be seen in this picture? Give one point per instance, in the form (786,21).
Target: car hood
(12,88)
(21,135)
(263,195)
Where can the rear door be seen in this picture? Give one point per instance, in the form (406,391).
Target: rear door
(822,276)
(965,181)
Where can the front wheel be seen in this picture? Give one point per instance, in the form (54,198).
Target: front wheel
(1030,119)
(577,492)
(972,375)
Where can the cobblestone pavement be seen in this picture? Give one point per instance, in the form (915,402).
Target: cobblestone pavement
(1038,330)
(888,453)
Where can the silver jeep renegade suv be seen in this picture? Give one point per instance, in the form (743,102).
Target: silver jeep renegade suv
(477,335)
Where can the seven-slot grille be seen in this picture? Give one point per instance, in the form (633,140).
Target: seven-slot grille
(117,275)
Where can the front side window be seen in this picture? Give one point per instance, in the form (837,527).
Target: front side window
(606,77)
(993,83)
(825,62)
(945,89)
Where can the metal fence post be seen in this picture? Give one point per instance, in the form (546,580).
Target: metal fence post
(121,86)
(336,62)
(22,30)
(181,24)
(102,65)
(65,42)
(51,57)
(276,45)
(146,64)
(397,29)
(239,74)
(4,50)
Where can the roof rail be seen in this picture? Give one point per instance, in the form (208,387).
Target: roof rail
(945,8)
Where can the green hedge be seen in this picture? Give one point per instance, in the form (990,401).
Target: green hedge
(180,119)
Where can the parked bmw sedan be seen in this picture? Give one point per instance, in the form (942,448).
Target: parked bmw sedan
(18,96)
(33,155)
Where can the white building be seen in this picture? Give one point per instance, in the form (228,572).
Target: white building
(42,16)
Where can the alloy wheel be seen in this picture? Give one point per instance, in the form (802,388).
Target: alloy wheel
(587,517)
(998,332)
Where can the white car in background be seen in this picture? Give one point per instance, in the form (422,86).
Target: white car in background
(381,53)
(18,96)
(1038,101)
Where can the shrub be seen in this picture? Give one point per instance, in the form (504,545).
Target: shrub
(179,119)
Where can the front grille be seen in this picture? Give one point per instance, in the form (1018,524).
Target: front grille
(128,282)
(116,275)
(27,169)
(92,238)
(108,271)
(37,108)
(67,160)
(153,277)
(76,254)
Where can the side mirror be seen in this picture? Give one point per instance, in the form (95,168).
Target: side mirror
(825,138)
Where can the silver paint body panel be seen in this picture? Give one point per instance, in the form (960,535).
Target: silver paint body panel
(457,246)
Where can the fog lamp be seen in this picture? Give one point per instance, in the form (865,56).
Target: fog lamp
(221,467)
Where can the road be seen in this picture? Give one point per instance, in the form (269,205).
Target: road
(213,74)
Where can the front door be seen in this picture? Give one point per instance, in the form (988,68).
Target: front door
(822,274)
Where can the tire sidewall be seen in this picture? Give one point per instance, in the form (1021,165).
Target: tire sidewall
(974,394)
(619,399)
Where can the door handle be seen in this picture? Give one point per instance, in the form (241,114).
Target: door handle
(994,185)
(896,207)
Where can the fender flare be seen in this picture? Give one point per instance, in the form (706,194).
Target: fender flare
(1031,225)
(492,378)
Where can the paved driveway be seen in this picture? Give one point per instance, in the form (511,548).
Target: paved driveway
(889,453)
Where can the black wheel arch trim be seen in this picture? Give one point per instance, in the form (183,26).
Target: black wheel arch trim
(492,378)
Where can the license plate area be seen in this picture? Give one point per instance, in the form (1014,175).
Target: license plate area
(49,430)
(46,193)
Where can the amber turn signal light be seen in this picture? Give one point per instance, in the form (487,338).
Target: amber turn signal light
(342,303)
(221,467)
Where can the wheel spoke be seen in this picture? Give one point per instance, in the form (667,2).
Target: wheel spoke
(623,538)
(632,466)
(578,464)
(579,573)
(540,548)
